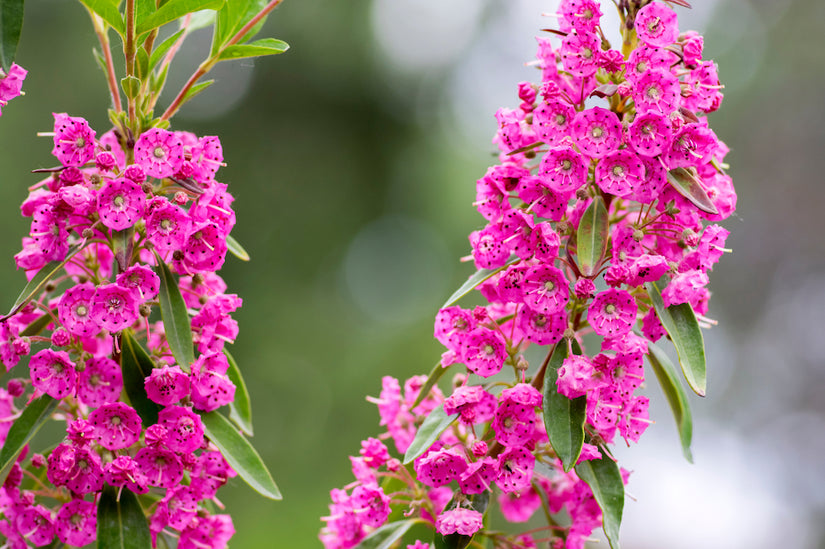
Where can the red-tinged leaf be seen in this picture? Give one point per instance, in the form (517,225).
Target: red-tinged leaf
(687,183)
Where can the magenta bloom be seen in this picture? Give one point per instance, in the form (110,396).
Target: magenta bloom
(576,376)
(563,169)
(514,423)
(159,152)
(541,328)
(371,504)
(515,467)
(184,428)
(551,121)
(597,131)
(657,25)
(212,531)
(479,476)
(123,471)
(35,524)
(545,289)
(489,250)
(116,426)
(74,140)
(120,203)
(75,310)
(620,172)
(440,467)
(459,521)
(649,133)
(11,84)
(211,389)
(612,313)
(53,373)
(167,227)
(161,467)
(114,307)
(205,248)
(142,280)
(656,91)
(167,385)
(76,523)
(100,382)
(207,157)
(580,53)
(484,352)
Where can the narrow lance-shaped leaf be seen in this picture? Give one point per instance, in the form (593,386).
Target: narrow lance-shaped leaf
(480,276)
(605,480)
(435,374)
(121,522)
(162,49)
(11,25)
(680,323)
(174,9)
(687,184)
(240,409)
(478,502)
(240,454)
(430,430)
(175,317)
(196,89)
(231,19)
(384,537)
(39,324)
(591,236)
(563,417)
(675,394)
(265,46)
(23,429)
(136,366)
(36,284)
(236,249)
(107,10)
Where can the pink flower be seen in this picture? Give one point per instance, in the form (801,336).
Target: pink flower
(166,386)
(580,53)
(546,289)
(551,121)
(167,226)
(142,280)
(161,467)
(211,388)
(100,382)
(159,152)
(74,140)
(184,427)
(656,25)
(116,426)
(205,248)
(649,133)
(612,313)
(11,84)
(459,521)
(114,307)
(597,132)
(515,467)
(563,169)
(657,91)
(619,172)
(53,373)
(484,352)
(35,524)
(120,203)
(440,467)
(76,523)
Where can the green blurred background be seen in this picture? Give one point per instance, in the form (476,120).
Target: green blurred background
(353,159)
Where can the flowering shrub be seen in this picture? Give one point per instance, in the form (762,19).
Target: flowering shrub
(125,322)
(600,232)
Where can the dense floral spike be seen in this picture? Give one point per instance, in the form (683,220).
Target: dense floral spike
(602,122)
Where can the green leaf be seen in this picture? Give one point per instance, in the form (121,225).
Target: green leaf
(175,317)
(236,249)
(39,324)
(240,454)
(563,418)
(675,394)
(231,19)
(480,276)
(196,89)
(435,374)
(478,502)
(200,20)
(430,430)
(384,537)
(687,183)
(605,479)
(130,86)
(23,429)
(680,323)
(137,365)
(174,9)
(591,236)
(107,10)
(121,523)
(265,46)
(141,64)
(162,49)
(11,25)
(240,409)
(36,284)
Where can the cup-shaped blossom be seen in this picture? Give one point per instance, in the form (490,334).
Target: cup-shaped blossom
(612,313)
(74,140)
(35,524)
(205,248)
(159,152)
(515,467)
(635,419)
(514,424)
(211,388)
(523,394)
(116,425)
(162,468)
(649,133)
(619,172)
(166,386)
(546,289)
(542,328)
(48,230)
(86,475)
(76,523)
(371,504)
(120,203)
(597,131)
(184,428)
(576,376)
(207,157)
(210,472)
(75,310)
(114,307)
(656,91)
(181,505)
(12,83)
(123,471)
(479,476)
(213,531)
(563,169)
(451,325)
(693,145)
(167,227)
(100,382)
(582,15)
(580,53)
(551,121)
(440,467)
(484,352)
(489,249)
(657,25)
(142,280)
(465,522)
(53,372)
(473,403)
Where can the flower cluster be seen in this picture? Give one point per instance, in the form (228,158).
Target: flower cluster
(604,199)
(106,225)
